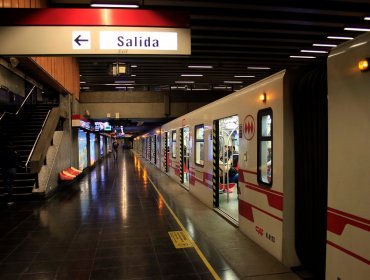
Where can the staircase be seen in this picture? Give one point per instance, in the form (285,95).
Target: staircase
(23,132)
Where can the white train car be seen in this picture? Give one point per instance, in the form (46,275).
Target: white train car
(302,187)
(348,234)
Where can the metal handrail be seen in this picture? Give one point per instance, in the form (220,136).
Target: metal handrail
(20,107)
(25,100)
(38,136)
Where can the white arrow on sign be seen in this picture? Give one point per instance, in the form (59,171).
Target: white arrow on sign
(81,40)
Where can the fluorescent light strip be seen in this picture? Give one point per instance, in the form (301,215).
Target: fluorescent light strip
(301,56)
(259,68)
(221,87)
(366,18)
(133,75)
(356,29)
(324,45)
(113,6)
(82,82)
(124,82)
(120,87)
(200,89)
(184,82)
(313,51)
(191,75)
(339,38)
(201,66)
(233,82)
(250,76)
(134,66)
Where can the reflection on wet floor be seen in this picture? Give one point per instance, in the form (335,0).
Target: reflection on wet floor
(112,224)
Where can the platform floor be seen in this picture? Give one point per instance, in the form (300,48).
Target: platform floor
(114,224)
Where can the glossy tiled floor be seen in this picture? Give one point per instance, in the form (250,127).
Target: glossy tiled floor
(113,225)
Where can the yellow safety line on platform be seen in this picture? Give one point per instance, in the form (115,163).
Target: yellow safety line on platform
(201,255)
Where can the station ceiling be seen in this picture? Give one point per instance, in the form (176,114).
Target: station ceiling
(243,42)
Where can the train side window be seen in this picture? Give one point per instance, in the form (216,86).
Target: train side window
(199,145)
(264,147)
(173,151)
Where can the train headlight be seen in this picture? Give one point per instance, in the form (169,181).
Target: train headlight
(363,65)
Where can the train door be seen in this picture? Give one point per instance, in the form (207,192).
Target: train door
(226,165)
(153,149)
(184,156)
(166,152)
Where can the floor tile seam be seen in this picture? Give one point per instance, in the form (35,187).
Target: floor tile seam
(99,239)
(16,247)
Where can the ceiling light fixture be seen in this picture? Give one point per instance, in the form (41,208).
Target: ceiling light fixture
(241,76)
(357,29)
(340,38)
(233,82)
(184,82)
(201,66)
(258,68)
(313,51)
(366,18)
(301,56)
(191,75)
(126,82)
(324,45)
(112,5)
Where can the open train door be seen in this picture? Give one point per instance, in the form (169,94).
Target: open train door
(184,156)
(166,152)
(225,167)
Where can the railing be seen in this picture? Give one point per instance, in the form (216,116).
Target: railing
(37,139)
(20,107)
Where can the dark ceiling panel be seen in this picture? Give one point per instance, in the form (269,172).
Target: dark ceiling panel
(232,36)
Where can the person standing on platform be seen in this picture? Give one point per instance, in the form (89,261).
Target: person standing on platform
(9,164)
(115,149)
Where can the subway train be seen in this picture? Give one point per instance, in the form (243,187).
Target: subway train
(298,141)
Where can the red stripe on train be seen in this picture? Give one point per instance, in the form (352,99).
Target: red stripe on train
(348,252)
(337,220)
(245,209)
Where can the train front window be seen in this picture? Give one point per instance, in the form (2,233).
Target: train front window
(199,144)
(264,172)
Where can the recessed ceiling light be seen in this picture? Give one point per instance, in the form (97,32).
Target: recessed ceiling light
(184,82)
(125,82)
(356,29)
(340,38)
(313,51)
(259,68)
(233,82)
(113,6)
(201,66)
(301,56)
(241,76)
(191,75)
(324,45)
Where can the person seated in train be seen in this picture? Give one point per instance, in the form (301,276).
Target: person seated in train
(230,169)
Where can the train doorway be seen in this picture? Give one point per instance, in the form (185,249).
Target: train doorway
(184,156)
(166,151)
(227,162)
